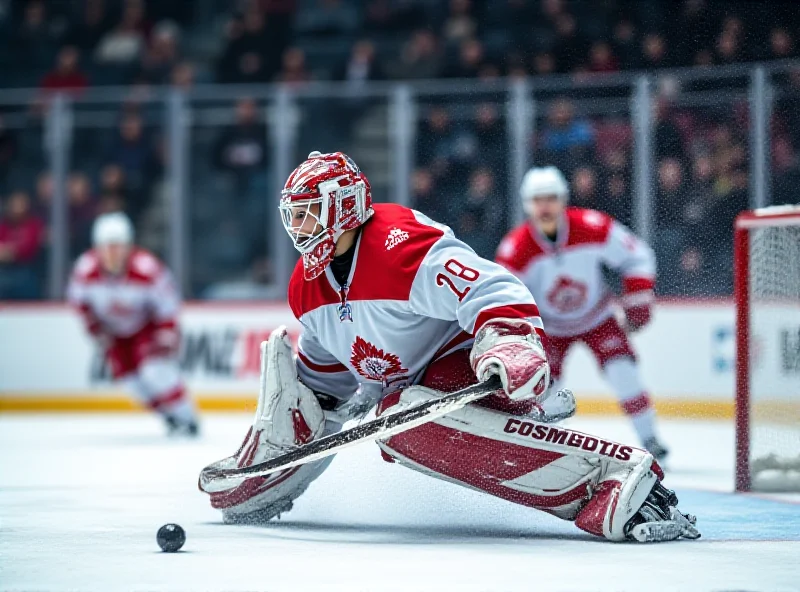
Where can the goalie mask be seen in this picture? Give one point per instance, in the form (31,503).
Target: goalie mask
(323,197)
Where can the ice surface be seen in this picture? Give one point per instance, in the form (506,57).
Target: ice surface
(81,499)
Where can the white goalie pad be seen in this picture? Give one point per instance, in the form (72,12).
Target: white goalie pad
(536,464)
(287,415)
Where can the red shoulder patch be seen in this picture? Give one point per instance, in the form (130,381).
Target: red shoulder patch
(393,244)
(517,248)
(143,266)
(305,296)
(587,227)
(87,267)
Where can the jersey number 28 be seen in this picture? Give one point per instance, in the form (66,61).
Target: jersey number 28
(458,270)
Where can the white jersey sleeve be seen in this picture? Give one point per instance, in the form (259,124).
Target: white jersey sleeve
(628,254)
(453,283)
(165,300)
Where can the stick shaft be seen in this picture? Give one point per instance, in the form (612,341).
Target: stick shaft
(377,429)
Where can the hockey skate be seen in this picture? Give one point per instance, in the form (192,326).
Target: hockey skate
(657,449)
(177,427)
(660,520)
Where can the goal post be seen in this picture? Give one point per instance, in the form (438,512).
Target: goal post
(767,300)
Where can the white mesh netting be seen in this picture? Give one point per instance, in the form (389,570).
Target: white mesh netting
(774,286)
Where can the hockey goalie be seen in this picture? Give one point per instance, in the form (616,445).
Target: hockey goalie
(393,306)
(129,304)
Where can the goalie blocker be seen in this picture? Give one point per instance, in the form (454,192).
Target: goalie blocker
(606,488)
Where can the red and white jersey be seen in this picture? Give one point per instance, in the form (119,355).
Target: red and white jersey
(414,293)
(121,305)
(566,276)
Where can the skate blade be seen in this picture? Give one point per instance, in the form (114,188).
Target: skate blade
(657,532)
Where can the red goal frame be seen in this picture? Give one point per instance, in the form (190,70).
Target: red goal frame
(763,218)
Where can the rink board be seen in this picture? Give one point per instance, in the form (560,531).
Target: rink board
(47,363)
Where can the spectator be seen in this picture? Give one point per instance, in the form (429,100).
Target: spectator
(584,189)
(182,76)
(566,141)
(729,49)
(693,31)
(491,138)
(241,149)
(82,209)
(449,150)
(321,18)
(8,151)
(124,43)
(483,203)
(668,139)
(601,58)
(544,63)
(460,25)
(671,196)
(419,59)
(294,71)
(253,49)
(133,151)
(786,173)
(469,62)
(655,52)
(617,201)
(34,40)
(45,189)
(781,44)
(114,192)
(423,194)
(625,43)
(22,236)
(569,47)
(242,60)
(161,55)
(93,24)
(66,76)
(361,66)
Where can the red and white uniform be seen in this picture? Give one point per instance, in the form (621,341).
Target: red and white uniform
(566,276)
(134,315)
(566,279)
(415,293)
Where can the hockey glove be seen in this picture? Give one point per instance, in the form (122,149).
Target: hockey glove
(511,349)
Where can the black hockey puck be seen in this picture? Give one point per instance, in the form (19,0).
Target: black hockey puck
(171,537)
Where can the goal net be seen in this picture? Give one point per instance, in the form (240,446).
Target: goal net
(767,295)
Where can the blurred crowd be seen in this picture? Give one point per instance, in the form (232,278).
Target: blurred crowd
(461,144)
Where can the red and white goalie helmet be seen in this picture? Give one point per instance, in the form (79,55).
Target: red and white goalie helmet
(323,197)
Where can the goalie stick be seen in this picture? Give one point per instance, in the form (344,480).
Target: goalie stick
(376,429)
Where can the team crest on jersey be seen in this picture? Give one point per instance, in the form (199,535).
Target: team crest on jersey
(345,312)
(396,236)
(567,295)
(373,363)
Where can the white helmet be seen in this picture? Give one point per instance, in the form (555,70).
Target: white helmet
(114,228)
(542,181)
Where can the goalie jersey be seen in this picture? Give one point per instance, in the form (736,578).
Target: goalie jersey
(414,293)
(566,276)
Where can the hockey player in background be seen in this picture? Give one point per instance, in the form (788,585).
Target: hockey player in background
(129,304)
(560,253)
(388,298)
